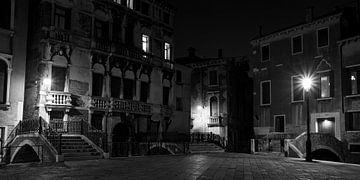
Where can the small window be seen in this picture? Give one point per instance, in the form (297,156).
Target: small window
(326,85)
(117,29)
(144,91)
(297,46)
(128,89)
(115,86)
(353,121)
(5,14)
(179,104)
(62,18)
(3,81)
(213,79)
(58,78)
(166,92)
(167,51)
(323,37)
(97,84)
(353,81)
(265,93)
(265,53)
(178,76)
(297,92)
(279,121)
(145,8)
(145,43)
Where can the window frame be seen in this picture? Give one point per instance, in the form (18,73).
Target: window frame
(294,88)
(145,43)
(348,80)
(66,16)
(292,44)
(348,122)
(217,77)
(261,92)
(317,37)
(284,120)
(261,52)
(353,143)
(320,74)
(167,51)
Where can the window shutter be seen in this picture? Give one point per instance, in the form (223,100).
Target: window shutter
(332,82)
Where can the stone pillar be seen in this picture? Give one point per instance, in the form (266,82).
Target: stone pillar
(122,88)
(138,89)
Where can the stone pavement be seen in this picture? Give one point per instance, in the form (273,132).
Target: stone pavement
(195,166)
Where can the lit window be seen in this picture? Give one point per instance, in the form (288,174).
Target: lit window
(353,80)
(130,4)
(3,81)
(213,78)
(167,51)
(297,89)
(325,84)
(265,53)
(145,43)
(297,44)
(323,37)
(265,93)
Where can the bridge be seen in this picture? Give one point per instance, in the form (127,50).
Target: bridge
(323,146)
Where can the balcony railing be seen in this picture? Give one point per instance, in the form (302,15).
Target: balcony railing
(135,53)
(99,102)
(59,34)
(101,44)
(58,99)
(130,106)
(215,121)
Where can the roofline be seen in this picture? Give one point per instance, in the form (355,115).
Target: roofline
(349,40)
(295,28)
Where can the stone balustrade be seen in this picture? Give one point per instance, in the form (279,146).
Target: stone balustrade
(58,99)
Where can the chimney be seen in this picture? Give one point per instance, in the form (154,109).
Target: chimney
(191,51)
(220,53)
(309,14)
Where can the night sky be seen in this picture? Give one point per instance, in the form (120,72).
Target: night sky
(208,25)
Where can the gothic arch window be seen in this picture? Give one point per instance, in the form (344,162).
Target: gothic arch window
(3,82)
(214,106)
(115,82)
(98,80)
(129,85)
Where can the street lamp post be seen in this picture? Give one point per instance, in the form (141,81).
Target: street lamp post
(307,83)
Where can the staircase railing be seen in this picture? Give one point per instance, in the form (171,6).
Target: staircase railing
(207,137)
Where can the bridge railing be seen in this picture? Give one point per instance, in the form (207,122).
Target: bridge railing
(198,137)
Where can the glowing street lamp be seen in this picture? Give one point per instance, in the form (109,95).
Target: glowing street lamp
(307,83)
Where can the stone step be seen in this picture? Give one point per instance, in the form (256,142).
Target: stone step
(76,147)
(66,151)
(78,154)
(82,158)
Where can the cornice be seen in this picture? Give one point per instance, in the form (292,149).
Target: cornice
(295,29)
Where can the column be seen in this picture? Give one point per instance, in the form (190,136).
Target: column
(138,89)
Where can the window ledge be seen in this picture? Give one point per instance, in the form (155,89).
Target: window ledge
(296,53)
(297,102)
(265,105)
(324,99)
(352,96)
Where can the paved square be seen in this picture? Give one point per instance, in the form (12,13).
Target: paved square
(196,166)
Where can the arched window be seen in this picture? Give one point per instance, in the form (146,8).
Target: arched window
(3,81)
(214,109)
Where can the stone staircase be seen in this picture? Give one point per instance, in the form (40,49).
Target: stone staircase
(205,147)
(74,147)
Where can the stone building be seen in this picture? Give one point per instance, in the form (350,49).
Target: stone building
(279,61)
(13,35)
(108,65)
(221,99)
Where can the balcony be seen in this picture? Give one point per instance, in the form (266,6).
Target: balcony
(59,34)
(215,121)
(101,44)
(130,106)
(58,99)
(99,103)
(138,54)
(166,110)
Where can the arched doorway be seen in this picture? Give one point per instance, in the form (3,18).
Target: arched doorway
(120,137)
(26,154)
(324,154)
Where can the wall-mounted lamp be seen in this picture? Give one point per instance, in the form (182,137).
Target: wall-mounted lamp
(47,81)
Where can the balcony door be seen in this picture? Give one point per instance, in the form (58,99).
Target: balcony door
(58,77)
